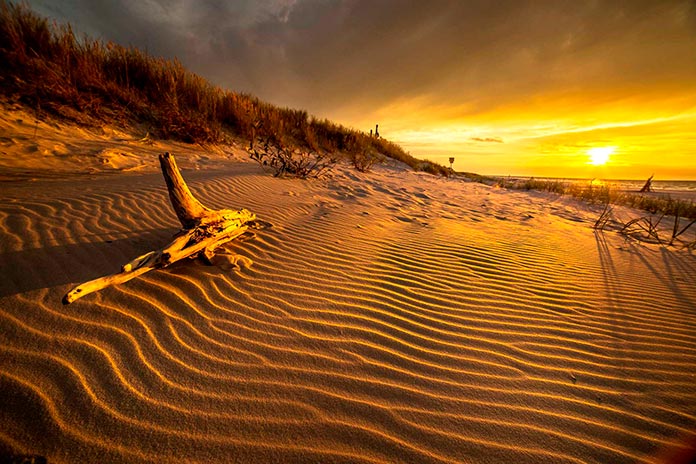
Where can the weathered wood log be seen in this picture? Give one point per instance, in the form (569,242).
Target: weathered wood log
(648,185)
(203,230)
(187,208)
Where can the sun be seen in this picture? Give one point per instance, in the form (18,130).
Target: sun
(600,155)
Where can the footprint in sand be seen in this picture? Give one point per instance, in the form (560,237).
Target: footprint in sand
(381,189)
(231,262)
(59,149)
(32,148)
(119,160)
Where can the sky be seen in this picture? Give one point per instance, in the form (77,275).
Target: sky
(506,87)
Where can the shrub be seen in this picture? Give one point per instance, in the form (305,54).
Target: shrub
(360,153)
(295,162)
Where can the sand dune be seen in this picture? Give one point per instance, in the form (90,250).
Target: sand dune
(36,149)
(384,317)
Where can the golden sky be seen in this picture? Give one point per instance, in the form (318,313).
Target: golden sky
(519,87)
(551,135)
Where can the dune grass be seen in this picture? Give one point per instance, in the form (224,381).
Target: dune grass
(50,70)
(667,220)
(652,203)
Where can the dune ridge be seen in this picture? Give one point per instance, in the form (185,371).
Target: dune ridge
(384,317)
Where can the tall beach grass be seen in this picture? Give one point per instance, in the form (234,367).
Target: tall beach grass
(50,70)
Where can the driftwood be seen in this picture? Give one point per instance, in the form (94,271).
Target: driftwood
(648,185)
(203,230)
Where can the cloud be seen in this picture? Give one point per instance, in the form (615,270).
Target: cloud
(487,139)
(227,42)
(352,57)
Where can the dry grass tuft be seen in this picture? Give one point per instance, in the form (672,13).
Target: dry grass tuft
(680,214)
(605,194)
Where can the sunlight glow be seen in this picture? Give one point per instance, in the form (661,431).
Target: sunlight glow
(600,155)
(597,183)
(606,142)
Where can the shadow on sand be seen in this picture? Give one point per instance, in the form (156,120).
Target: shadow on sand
(48,267)
(672,273)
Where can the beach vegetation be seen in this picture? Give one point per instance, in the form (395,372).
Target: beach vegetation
(601,193)
(285,160)
(475,177)
(361,155)
(667,221)
(53,72)
(604,217)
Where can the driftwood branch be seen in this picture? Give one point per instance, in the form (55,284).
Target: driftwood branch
(203,230)
(648,185)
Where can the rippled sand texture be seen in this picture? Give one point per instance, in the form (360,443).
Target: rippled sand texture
(385,317)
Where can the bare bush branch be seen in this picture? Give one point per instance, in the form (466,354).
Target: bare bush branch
(296,162)
(604,217)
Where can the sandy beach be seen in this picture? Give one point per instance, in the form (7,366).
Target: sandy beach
(388,316)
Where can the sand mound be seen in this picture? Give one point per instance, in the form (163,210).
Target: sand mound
(385,317)
(37,149)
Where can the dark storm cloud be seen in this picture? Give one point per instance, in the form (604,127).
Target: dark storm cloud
(210,37)
(326,54)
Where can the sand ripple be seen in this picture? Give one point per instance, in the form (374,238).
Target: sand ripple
(384,317)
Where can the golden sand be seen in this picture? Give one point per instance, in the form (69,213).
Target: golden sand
(385,317)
